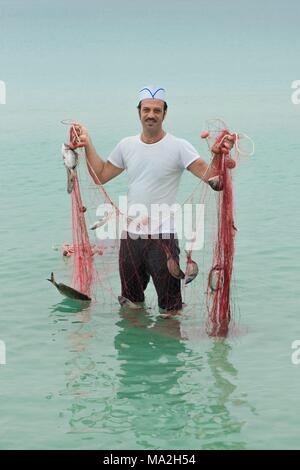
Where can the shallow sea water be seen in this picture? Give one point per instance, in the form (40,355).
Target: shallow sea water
(100,378)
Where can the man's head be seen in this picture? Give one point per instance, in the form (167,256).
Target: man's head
(152,108)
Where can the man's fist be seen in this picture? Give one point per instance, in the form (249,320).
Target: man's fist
(224,147)
(79,136)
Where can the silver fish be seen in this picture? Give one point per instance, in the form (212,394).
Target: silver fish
(191,269)
(216,183)
(68,291)
(172,264)
(216,278)
(128,303)
(174,268)
(101,221)
(70,158)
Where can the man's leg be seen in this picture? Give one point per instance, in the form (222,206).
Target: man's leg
(167,287)
(132,269)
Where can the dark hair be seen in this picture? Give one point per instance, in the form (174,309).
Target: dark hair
(140,105)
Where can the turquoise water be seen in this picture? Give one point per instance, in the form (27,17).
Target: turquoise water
(99,378)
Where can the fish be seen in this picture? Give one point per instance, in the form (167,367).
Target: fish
(97,224)
(216,183)
(174,268)
(124,302)
(100,222)
(172,265)
(68,291)
(191,269)
(70,158)
(216,278)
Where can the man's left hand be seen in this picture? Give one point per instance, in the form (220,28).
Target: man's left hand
(224,148)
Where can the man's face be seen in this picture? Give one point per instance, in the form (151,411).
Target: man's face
(152,114)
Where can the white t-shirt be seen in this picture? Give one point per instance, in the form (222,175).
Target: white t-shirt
(154,172)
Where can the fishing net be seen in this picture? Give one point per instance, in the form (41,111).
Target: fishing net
(204,268)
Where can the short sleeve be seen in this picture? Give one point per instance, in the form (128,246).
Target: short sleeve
(116,157)
(188,153)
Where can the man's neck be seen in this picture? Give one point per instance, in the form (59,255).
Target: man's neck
(152,138)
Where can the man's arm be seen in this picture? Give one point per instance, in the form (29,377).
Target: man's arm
(101,171)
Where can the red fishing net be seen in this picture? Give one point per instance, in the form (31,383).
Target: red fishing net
(220,275)
(83,267)
(98,262)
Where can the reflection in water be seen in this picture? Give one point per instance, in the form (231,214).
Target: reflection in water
(178,398)
(81,367)
(150,356)
(140,383)
(69,306)
(222,429)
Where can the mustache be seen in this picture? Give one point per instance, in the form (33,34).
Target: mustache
(150,120)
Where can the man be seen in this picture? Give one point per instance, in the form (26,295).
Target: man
(155,161)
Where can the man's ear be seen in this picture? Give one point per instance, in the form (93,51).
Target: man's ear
(165,113)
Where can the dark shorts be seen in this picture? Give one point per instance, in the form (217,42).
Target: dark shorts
(142,258)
